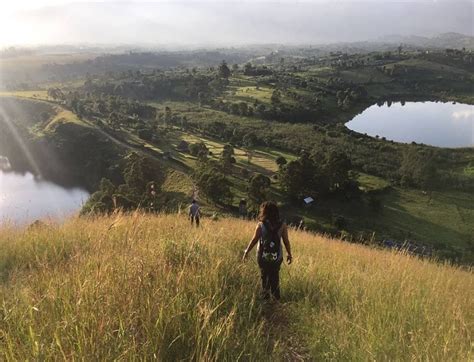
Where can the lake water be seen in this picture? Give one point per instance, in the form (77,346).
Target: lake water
(25,198)
(431,123)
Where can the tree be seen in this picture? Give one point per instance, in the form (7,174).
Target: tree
(234,108)
(168,115)
(249,140)
(202,98)
(317,175)
(340,222)
(145,134)
(139,190)
(214,184)
(224,71)
(257,189)
(261,109)
(228,156)
(101,201)
(301,178)
(248,69)
(114,120)
(337,169)
(281,161)
(292,180)
(139,171)
(418,168)
(55,93)
(197,148)
(243,109)
(276,95)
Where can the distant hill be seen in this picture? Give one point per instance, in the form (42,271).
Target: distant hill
(445,40)
(151,287)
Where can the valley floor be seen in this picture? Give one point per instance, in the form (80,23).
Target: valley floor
(440,220)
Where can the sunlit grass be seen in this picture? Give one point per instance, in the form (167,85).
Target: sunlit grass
(33,94)
(261,158)
(64,116)
(127,287)
(60,113)
(469,170)
(435,218)
(263,94)
(370,182)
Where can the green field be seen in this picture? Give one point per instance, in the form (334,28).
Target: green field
(370,183)
(436,218)
(263,94)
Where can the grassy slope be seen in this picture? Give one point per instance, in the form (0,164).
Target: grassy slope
(434,218)
(437,218)
(58,114)
(150,287)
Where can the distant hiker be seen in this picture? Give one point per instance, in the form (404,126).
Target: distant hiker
(269,232)
(194,213)
(243,209)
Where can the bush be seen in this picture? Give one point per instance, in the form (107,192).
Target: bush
(340,222)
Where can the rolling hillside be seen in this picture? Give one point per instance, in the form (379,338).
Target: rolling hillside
(150,287)
(440,219)
(268,115)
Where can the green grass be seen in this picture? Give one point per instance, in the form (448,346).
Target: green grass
(262,160)
(469,170)
(417,64)
(34,94)
(176,181)
(262,94)
(365,75)
(370,182)
(442,220)
(150,287)
(63,116)
(437,218)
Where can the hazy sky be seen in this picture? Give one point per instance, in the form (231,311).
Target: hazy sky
(191,22)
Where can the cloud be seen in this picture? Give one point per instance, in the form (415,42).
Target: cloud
(463,115)
(232,22)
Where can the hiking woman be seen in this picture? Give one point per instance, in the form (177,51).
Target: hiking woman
(269,232)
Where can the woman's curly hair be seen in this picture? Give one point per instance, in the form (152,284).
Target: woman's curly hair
(269,211)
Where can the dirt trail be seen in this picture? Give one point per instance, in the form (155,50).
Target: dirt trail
(276,316)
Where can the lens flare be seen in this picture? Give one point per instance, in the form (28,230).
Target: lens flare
(5,118)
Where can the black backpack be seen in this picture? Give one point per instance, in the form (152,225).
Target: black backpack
(269,251)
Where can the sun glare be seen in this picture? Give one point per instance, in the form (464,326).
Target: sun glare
(16,27)
(6,119)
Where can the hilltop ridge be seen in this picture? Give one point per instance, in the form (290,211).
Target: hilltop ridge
(443,40)
(150,286)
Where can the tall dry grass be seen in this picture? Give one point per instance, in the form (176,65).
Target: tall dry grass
(151,287)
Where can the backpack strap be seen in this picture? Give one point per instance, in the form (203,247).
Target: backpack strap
(263,229)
